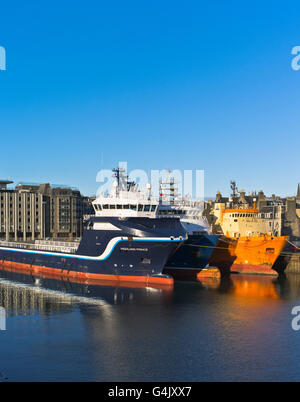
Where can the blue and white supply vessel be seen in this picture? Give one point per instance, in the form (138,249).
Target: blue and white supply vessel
(195,253)
(126,240)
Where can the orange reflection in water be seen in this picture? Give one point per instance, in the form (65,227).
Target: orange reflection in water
(247,286)
(254,287)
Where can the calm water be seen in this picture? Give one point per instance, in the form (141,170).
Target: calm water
(239,329)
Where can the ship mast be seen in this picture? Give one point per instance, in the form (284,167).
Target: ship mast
(168,190)
(123,182)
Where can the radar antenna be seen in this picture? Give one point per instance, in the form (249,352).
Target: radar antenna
(123,180)
(233,188)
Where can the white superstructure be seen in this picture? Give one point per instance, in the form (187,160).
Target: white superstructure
(126,200)
(189,211)
(190,214)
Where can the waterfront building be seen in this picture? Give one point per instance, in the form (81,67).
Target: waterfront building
(65,211)
(291,226)
(22,214)
(40,211)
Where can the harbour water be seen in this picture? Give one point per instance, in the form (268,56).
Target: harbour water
(236,329)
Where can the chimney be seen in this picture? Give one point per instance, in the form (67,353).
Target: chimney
(242,197)
(218,197)
(261,195)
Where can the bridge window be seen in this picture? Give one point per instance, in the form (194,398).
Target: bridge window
(105,206)
(153,207)
(147,208)
(133,207)
(119,206)
(140,207)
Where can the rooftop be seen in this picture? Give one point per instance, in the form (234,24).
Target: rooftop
(6,182)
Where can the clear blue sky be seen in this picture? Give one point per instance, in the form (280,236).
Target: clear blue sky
(160,84)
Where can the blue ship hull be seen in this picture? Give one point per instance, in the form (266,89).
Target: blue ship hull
(192,256)
(136,250)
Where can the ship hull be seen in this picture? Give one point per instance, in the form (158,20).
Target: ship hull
(253,269)
(191,257)
(108,255)
(224,255)
(257,255)
(117,267)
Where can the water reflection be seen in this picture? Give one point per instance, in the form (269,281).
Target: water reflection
(27,294)
(215,329)
(256,286)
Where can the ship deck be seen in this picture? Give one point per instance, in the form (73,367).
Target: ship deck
(44,245)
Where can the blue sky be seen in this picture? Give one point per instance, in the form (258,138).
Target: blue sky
(160,84)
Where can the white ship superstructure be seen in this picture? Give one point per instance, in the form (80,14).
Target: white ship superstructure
(130,202)
(189,211)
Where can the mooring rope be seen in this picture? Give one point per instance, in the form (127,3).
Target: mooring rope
(200,245)
(294,245)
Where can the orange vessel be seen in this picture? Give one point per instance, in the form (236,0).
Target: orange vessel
(253,242)
(258,254)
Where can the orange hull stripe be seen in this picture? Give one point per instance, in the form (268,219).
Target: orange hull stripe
(253,269)
(35,269)
(240,210)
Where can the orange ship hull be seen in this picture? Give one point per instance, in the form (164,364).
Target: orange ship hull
(257,255)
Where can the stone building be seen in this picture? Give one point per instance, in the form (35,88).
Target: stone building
(31,212)
(22,214)
(65,211)
(291,225)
